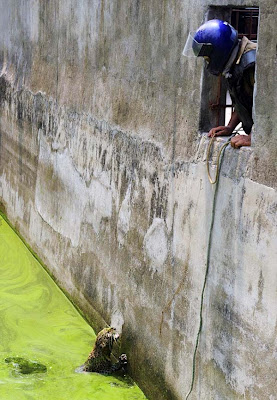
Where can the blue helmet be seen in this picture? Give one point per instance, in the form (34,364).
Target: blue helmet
(215,40)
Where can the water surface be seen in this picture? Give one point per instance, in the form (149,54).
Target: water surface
(43,337)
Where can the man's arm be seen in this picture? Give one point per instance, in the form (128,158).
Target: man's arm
(226,130)
(237,141)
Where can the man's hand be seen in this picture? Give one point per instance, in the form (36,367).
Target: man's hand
(241,140)
(220,131)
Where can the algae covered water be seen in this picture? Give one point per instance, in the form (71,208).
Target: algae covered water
(43,337)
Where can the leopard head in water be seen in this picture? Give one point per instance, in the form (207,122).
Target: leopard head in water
(105,340)
(99,358)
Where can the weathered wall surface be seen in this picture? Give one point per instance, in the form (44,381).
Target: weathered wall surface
(102,171)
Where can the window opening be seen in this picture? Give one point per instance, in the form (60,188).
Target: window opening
(245,21)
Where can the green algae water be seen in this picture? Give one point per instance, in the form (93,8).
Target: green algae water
(43,337)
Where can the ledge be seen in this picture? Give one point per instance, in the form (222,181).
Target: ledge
(236,162)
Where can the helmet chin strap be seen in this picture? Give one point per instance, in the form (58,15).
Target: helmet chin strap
(231,61)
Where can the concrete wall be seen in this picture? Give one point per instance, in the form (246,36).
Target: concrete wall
(102,170)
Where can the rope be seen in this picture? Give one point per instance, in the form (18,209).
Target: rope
(219,159)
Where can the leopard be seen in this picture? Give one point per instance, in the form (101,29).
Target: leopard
(99,359)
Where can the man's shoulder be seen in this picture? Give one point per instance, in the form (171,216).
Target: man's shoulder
(246,46)
(248,59)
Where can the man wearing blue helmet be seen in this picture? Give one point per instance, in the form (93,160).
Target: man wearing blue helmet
(217,42)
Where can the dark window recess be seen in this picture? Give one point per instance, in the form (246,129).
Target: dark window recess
(214,89)
(245,21)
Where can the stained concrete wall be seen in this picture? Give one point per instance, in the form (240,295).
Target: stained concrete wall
(103,172)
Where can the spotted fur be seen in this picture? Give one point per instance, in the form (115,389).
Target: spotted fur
(99,359)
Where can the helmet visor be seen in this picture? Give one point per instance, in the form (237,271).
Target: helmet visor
(194,49)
